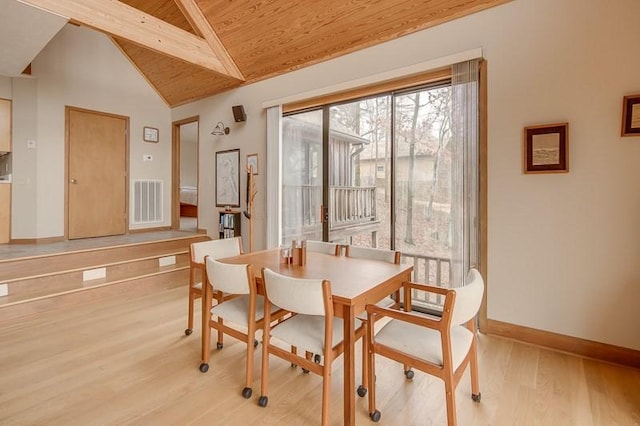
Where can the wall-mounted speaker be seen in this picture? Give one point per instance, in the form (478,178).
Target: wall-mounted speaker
(238,113)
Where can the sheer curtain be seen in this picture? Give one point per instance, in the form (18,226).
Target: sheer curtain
(464,168)
(274,176)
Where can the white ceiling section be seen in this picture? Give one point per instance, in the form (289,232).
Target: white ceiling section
(24,32)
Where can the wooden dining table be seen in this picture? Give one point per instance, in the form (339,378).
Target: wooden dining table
(355,283)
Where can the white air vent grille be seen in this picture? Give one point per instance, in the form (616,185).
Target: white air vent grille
(147,201)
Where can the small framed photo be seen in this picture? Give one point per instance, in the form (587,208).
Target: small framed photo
(252,163)
(546,148)
(150,134)
(631,115)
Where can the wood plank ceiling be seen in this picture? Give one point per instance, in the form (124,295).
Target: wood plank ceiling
(264,38)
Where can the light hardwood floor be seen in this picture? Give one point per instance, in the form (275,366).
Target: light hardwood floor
(129,362)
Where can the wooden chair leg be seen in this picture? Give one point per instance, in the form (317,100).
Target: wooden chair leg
(365,350)
(326,389)
(473,361)
(250,353)
(371,371)
(190,319)
(262,401)
(450,396)
(220,342)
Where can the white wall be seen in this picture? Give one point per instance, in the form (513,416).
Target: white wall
(564,249)
(5,87)
(83,68)
(24,191)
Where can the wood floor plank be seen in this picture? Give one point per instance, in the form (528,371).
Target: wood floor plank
(127,361)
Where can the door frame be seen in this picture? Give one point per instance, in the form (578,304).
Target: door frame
(67,110)
(175,169)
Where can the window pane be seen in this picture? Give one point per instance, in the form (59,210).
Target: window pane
(359,179)
(301,176)
(423,183)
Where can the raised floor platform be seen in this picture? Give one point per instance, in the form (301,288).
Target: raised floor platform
(39,277)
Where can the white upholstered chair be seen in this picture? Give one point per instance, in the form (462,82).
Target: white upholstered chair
(313,329)
(393,301)
(440,347)
(240,316)
(323,247)
(216,249)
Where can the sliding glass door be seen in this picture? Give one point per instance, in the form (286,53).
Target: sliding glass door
(302,177)
(358,167)
(397,170)
(423,184)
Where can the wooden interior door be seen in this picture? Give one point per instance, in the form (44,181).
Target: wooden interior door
(96,174)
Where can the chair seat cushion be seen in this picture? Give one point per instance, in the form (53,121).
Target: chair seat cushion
(423,342)
(235,310)
(306,332)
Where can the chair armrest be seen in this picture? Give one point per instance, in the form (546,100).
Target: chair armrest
(410,317)
(427,288)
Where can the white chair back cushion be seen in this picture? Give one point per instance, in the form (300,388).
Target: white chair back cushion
(227,278)
(372,253)
(303,296)
(468,298)
(216,249)
(321,247)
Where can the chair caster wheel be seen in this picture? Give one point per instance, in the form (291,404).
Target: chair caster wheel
(204,367)
(409,374)
(316,358)
(305,371)
(362,391)
(262,401)
(188,331)
(219,345)
(246,392)
(476,397)
(255,343)
(375,416)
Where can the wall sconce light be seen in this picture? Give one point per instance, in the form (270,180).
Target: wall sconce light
(220,129)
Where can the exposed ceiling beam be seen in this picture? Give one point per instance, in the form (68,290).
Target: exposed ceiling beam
(199,22)
(120,20)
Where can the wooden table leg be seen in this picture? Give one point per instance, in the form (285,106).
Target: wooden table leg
(349,366)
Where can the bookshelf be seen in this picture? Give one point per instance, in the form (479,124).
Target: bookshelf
(229,224)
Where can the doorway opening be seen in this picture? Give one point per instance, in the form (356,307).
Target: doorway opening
(185,175)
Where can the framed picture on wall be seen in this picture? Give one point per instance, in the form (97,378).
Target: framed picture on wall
(631,115)
(228,178)
(546,148)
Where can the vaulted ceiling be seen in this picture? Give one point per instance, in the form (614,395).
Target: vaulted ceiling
(191,49)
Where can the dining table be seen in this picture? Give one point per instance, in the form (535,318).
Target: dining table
(355,283)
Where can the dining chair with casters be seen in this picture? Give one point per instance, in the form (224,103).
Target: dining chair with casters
(216,249)
(313,328)
(441,347)
(393,301)
(245,311)
(323,247)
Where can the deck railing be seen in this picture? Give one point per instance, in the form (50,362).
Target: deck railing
(352,205)
(349,206)
(430,270)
